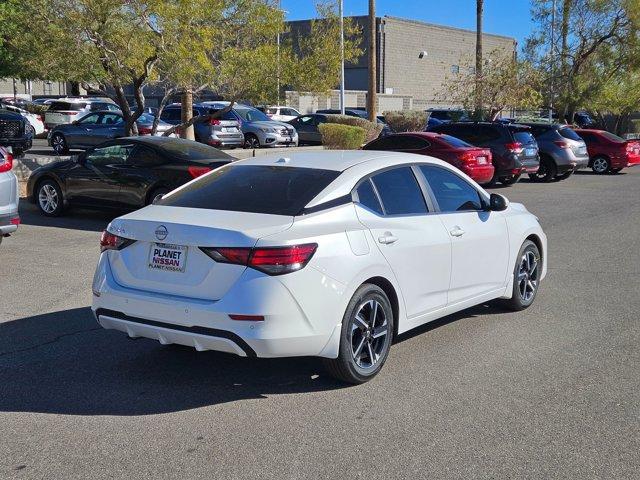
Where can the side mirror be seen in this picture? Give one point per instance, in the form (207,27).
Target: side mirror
(497,202)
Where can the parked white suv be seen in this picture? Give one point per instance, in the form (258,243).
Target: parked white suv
(9,219)
(66,110)
(281,114)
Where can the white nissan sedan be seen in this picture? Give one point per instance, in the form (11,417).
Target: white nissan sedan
(329,254)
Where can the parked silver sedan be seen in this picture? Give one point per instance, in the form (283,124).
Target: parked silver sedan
(95,128)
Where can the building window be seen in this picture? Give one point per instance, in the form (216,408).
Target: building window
(472,70)
(455,69)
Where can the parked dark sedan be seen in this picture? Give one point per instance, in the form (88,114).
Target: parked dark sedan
(307,128)
(15,132)
(95,128)
(126,173)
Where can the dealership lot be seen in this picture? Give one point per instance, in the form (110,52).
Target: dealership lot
(548,392)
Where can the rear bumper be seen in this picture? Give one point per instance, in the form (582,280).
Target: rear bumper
(286,331)
(9,223)
(22,143)
(479,173)
(226,140)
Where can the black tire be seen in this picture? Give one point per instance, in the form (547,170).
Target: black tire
(564,176)
(518,300)
(155,193)
(358,341)
(59,144)
(18,152)
(53,205)
(510,180)
(547,171)
(251,141)
(601,165)
(615,170)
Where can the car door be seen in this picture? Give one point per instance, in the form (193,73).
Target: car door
(392,205)
(138,175)
(81,132)
(110,126)
(305,127)
(480,241)
(97,183)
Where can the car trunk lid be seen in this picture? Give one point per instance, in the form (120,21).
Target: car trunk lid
(166,256)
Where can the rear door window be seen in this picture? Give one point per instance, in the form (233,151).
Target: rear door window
(400,192)
(569,134)
(253,188)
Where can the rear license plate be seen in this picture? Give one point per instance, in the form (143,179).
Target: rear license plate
(167,257)
(530,152)
(482,160)
(229,129)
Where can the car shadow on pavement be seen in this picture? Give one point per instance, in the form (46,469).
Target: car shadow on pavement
(64,363)
(75,219)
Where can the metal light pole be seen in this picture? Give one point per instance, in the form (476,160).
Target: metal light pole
(278,66)
(342,106)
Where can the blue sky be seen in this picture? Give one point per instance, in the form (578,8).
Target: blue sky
(503,17)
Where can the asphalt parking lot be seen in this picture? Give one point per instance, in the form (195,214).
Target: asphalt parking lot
(552,392)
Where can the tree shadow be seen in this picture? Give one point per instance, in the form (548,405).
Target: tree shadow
(75,219)
(65,363)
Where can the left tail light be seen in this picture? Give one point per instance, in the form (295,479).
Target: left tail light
(144,131)
(515,147)
(109,241)
(562,144)
(6,162)
(270,260)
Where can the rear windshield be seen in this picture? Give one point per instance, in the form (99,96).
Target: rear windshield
(75,106)
(454,142)
(523,137)
(612,137)
(225,116)
(253,188)
(191,151)
(569,134)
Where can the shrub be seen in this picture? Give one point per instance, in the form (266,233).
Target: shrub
(341,137)
(406,120)
(372,130)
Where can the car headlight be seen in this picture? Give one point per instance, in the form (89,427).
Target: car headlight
(268,129)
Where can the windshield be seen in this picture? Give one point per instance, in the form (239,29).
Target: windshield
(251,114)
(253,188)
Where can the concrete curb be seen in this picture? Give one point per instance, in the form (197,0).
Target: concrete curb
(26,164)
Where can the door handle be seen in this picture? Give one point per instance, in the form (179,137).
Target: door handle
(387,238)
(456,231)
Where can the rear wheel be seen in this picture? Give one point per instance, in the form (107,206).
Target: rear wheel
(526,277)
(565,175)
(156,194)
(367,331)
(49,198)
(510,180)
(600,165)
(59,144)
(546,172)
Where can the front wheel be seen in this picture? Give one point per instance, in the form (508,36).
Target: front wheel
(251,141)
(59,144)
(49,198)
(510,180)
(365,341)
(600,165)
(526,277)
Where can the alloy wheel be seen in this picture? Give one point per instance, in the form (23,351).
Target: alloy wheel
(48,198)
(528,276)
(252,142)
(600,165)
(58,143)
(369,335)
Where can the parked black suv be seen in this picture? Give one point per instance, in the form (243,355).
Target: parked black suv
(513,148)
(15,132)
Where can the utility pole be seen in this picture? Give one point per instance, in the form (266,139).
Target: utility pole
(373,87)
(342,106)
(278,66)
(552,59)
(479,13)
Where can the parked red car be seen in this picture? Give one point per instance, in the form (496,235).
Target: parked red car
(609,153)
(474,161)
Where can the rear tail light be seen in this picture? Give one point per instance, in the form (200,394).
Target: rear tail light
(6,162)
(195,172)
(514,147)
(39,117)
(214,121)
(15,221)
(109,241)
(144,131)
(270,260)
(247,318)
(467,157)
(562,144)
